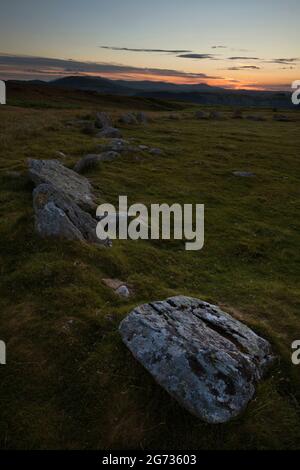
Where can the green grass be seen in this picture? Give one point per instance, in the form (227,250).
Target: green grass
(69,381)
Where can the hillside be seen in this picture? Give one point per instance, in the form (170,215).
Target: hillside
(70,383)
(198,94)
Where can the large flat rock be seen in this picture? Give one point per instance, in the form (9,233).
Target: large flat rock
(62,179)
(57,215)
(207,360)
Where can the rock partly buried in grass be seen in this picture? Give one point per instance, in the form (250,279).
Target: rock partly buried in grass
(119,287)
(92,160)
(244,174)
(56,215)
(156,151)
(142,118)
(128,119)
(59,154)
(64,180)
(110,132)
(103,120)
(207,360)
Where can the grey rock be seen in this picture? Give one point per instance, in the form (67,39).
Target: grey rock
(128,119)
(56,215)
(155,151)
(61,155)
(244,174)
(91,160)
(123,291)
(103,120)
(204,358)
(141,118)
(110,132)
(63,180)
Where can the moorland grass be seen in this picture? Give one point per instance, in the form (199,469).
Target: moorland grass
(69,381)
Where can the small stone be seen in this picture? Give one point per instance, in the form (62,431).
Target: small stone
(110,132)
(155,151)
(123,291)
(128,119)
(103,120)
(59,154)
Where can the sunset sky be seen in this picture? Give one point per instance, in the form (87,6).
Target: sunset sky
(230,43)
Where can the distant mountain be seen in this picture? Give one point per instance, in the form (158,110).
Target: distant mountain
(200,93)
(128,87)
(147,85)
(102,85)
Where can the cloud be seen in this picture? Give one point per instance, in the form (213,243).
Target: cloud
(243,67)
(198,56)
(128,49)
(243,58)
(48,68)
(284,61)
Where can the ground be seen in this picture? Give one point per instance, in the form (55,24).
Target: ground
(69,381)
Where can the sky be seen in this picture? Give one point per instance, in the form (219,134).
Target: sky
(230,43)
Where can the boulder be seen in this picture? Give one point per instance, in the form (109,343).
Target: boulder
(203,357)
(156,151)
(91,160)
(110,132)
(103,120)
(57,215)
(141,118)
(128,119)
(62,179)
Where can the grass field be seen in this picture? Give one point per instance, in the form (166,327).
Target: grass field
(69,381)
